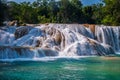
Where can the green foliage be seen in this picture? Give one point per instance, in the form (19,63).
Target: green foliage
(61,11)
(97,14)
(1,14)
(108,20)
(88,13)
(3,10)
(112,12)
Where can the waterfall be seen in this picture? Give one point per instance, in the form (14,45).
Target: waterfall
(6,38)
(109,35)
(58,40)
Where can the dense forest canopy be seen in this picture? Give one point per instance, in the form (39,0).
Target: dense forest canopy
(61,11)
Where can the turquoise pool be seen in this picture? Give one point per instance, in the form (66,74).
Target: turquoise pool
(89,68)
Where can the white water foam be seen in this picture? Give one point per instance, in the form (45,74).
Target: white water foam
(118,52)
(44,59)
(61,40)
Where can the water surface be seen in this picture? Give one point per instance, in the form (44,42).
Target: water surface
(90,68)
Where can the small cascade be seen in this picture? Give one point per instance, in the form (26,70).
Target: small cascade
(7,52)
(109,35)
(36,54)
(58,40)
(6,38)
(87,47)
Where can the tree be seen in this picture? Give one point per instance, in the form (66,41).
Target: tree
(112,12)
(76,9)
(3,11)
(98,14)
(64,10)
(14,11)
(53,10)
(61,11)
(88,13)
(70,11)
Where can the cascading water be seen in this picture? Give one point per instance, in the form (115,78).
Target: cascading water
(58,40)
(109,35)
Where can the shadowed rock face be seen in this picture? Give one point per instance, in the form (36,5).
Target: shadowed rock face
(60,40)
(21,31)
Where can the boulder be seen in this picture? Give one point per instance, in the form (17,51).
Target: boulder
(21,31)
(12,23)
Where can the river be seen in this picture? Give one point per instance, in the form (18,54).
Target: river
(83,68)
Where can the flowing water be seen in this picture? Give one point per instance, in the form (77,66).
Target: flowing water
(86,68)
(54,52)
(58,40)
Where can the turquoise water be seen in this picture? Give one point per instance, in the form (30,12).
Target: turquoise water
(90,68)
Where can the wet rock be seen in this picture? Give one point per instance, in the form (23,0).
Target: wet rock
(12,23)
(21,31)
(50,52)
(90,26)
(60,39)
